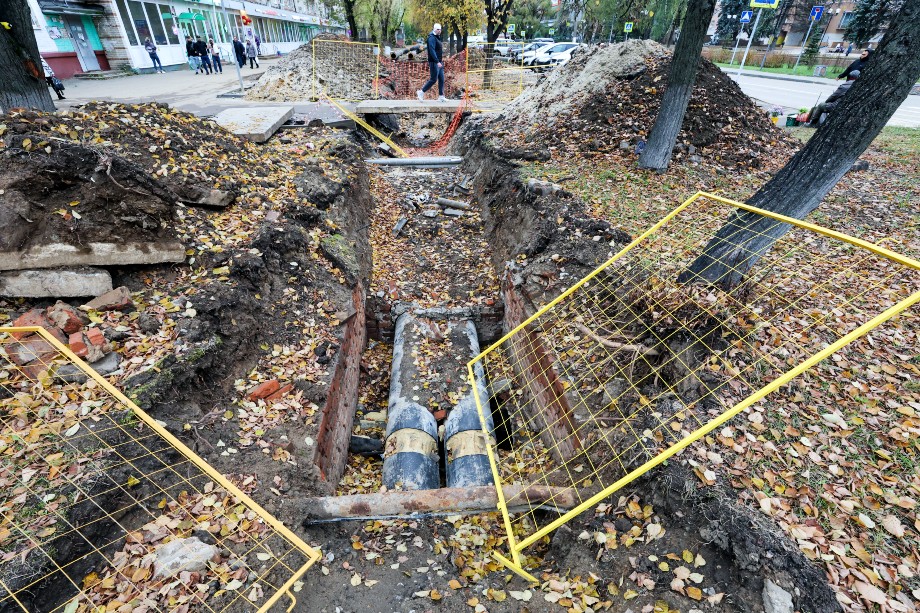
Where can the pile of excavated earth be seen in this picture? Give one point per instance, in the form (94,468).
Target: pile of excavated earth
(607,98)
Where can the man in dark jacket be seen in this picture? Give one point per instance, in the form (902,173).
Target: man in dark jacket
(239,51)
(201,50)
(814,117)
(435,64)
(857,66)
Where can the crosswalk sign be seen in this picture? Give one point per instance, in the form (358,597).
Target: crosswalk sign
(510,28)
(627,27)
(746,16)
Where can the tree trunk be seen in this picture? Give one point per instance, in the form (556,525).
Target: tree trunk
(349,6)
(24,82)
(798,188)
(684,65)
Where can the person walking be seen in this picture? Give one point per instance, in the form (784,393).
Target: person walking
(435,64)
(252,53)
(258,45)
(849,49)
(201,50)
(239,51)
(858,65)
(214,50)
(152,52)
(193,60)
(52,80)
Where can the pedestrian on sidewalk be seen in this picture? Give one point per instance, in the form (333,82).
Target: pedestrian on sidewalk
(52,80)
(252,53)
(849,50)
(214,50)
(239,51)
(193,60)
(152,52)
(858,65)
(435,64)
(258,45)
(201,50)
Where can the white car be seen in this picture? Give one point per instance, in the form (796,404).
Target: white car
(554,54)
(519,51)
(528,56)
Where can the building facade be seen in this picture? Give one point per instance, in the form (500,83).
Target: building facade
(89,35)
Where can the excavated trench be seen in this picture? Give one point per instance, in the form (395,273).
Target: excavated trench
(421,419)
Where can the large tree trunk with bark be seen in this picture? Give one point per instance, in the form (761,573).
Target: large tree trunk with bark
(349,6)
(24,82)
(684,64)
(798,188)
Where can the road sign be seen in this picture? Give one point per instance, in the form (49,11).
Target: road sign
(764,4)
(627,27)
(510,28)
(817,12)
(746,16)
(552,31)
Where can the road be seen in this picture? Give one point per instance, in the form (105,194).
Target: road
(793,95)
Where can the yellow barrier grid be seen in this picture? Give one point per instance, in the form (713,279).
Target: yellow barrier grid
(345,70)
(493,77)
(629,366)
(96,492)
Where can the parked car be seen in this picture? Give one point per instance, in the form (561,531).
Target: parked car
(503,46)
(531,46)
(528,56)
(553,54)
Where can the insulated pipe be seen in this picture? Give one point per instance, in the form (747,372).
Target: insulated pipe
(410,455)
(465,442)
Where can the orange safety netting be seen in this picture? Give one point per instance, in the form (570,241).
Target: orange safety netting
(400,79)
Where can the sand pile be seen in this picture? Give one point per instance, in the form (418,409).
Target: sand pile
(607,98)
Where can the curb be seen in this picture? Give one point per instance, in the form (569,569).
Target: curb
(778,77)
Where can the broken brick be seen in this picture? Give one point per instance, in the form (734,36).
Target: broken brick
(35,317)
(280,393)
(119,299)
(31,349)
(264,390)
(65,317)
(77,343)
(95,336)
(440,415)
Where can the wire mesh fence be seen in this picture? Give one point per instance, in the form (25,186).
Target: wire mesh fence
(351,71)
(495,71)
(102,509)
(630,366)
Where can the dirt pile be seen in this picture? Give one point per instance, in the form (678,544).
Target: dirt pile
(344,70)
(607,98)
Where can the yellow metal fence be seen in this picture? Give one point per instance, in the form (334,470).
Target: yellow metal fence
(629,367)
(95,492)
(349,71)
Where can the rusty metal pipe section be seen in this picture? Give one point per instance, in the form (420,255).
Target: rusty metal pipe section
(465,443)
(410,456)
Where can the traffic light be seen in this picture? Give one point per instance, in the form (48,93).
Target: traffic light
(246,19)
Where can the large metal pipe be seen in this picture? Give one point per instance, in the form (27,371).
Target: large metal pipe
(410,456)
(465,442)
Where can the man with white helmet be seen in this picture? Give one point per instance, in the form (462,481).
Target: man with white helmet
(435,64)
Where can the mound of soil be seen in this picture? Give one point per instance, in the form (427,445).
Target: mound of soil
(607,98)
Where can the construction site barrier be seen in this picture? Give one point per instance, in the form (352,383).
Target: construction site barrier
(630,366)
(350,71)
(97,494)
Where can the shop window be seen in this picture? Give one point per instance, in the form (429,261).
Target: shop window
(845,20)
(139,19)
(156,24)
(172,28)
(126,21)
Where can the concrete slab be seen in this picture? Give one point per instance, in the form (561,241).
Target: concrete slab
(368,107)
(55,283)
(325,112)
(256,123)
(93,254)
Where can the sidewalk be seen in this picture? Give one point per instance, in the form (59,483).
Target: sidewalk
(733,71)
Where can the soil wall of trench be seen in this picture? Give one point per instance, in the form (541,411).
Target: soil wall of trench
(558,238)
(232,322)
